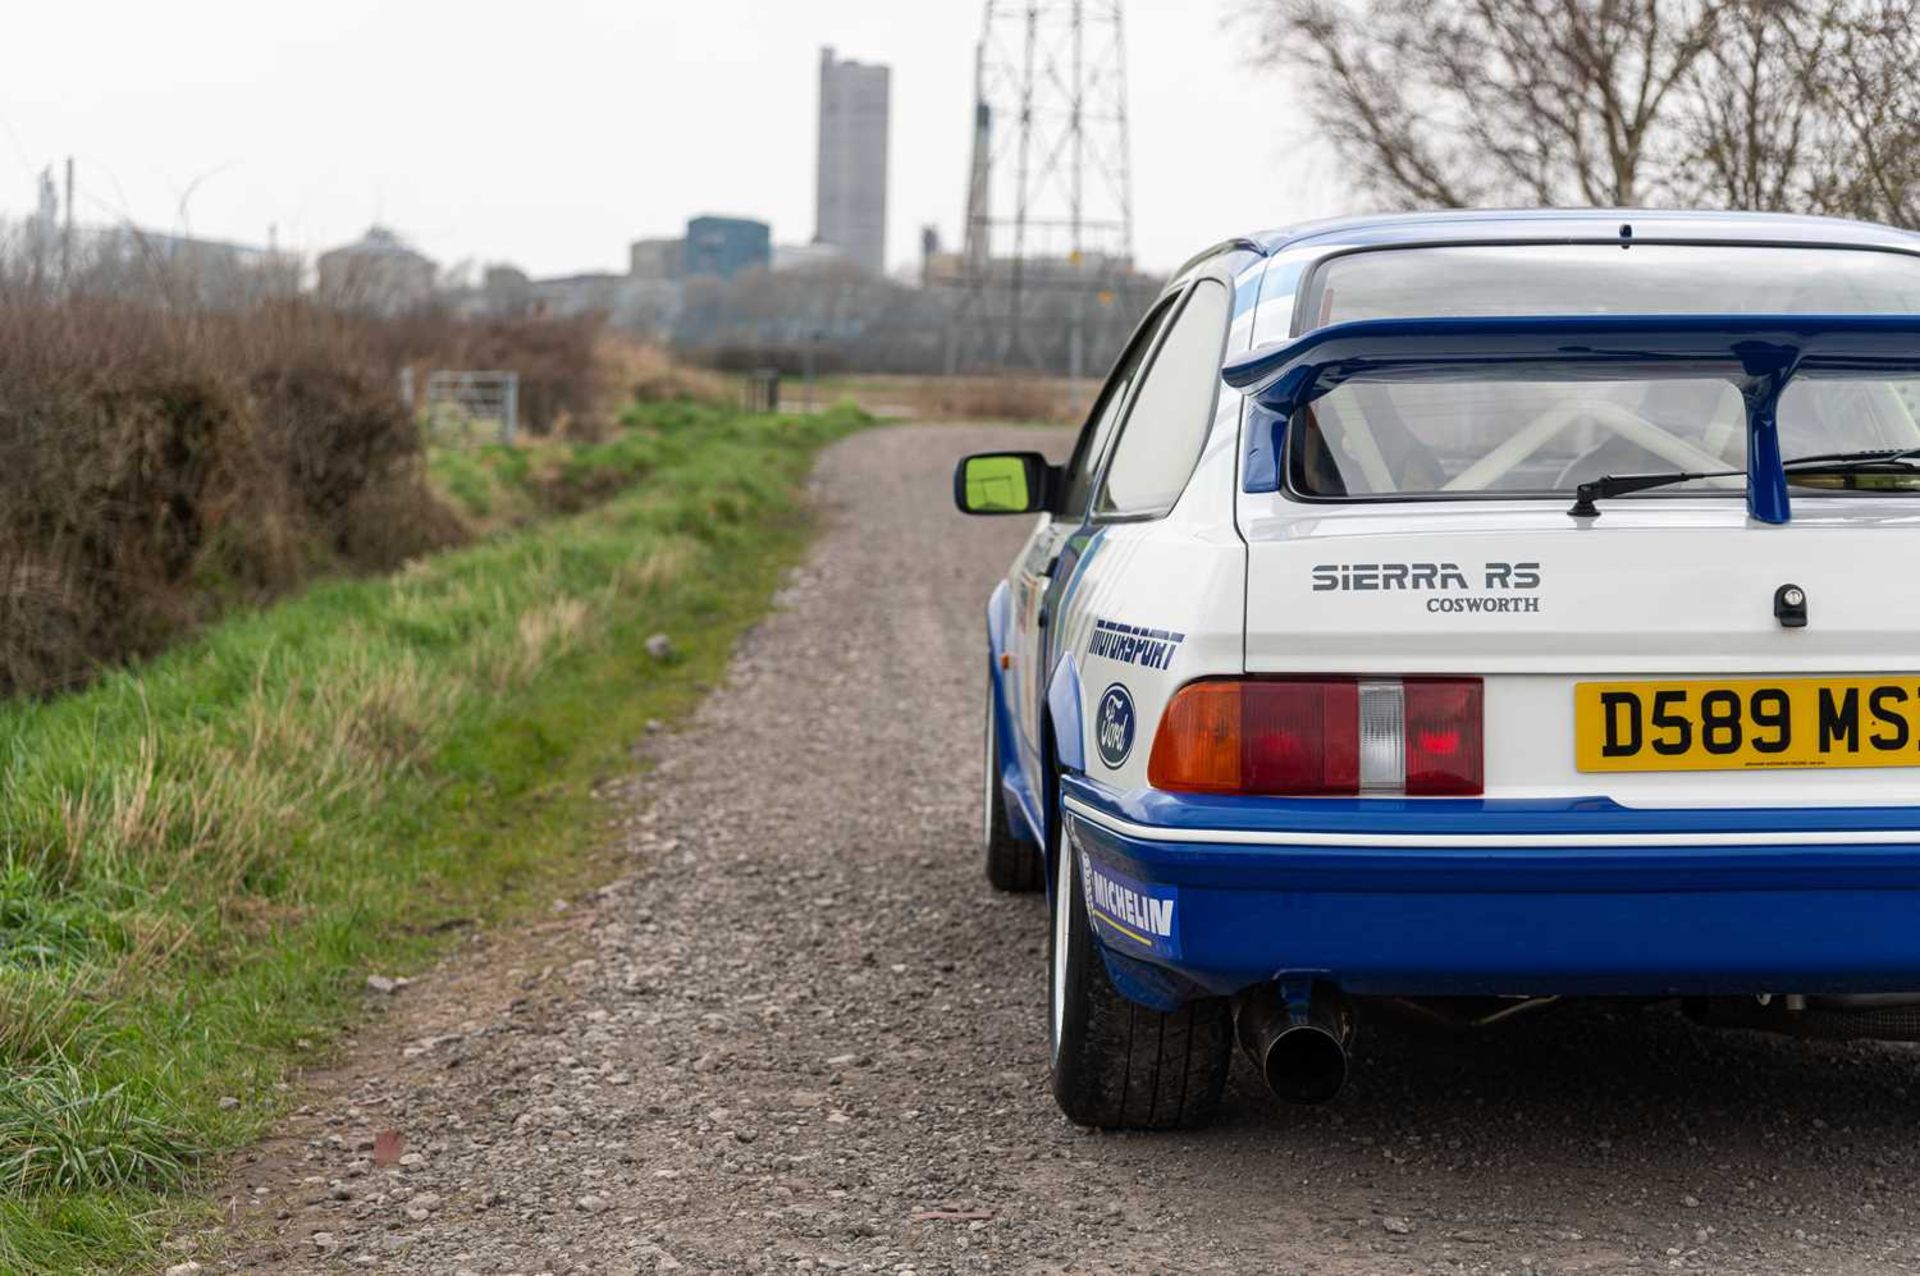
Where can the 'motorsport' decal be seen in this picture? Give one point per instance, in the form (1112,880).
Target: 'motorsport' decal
(1133,645)
(1141,914)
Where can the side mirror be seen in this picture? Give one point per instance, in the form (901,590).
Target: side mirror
(1003,483)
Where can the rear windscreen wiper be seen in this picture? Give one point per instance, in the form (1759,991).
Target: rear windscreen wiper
(1852,460)
(1879,470)
(1586,494)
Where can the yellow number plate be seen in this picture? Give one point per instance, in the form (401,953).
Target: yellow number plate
(1746,725)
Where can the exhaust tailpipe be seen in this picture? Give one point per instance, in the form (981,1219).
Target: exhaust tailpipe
(1300,1050)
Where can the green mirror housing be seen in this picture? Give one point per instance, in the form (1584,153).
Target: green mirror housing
(1003,483)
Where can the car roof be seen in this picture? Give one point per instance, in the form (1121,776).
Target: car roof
(1479,225)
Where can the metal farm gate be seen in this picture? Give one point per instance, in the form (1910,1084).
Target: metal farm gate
(471,407)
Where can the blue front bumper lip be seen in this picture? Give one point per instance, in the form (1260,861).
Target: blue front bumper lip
(1542,898)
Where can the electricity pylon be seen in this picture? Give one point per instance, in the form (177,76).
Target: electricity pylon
(1049,213)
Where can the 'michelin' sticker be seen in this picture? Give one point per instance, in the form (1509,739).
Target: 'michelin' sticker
(1130,910)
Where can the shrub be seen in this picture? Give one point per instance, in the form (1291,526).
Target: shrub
(160,464)
(157,467)
(562,382)
(641,373)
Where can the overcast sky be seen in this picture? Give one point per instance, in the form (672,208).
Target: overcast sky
(550,134)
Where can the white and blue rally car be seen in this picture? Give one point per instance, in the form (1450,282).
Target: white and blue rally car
(1474,611)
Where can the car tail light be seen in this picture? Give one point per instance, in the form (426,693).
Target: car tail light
(1321,737)
(1444,748)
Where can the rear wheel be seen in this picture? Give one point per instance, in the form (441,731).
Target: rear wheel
(1013,864)
(1117,1064)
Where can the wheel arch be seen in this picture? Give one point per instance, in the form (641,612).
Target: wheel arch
(999,603)
(1026,804)
(1062,748)
(1063,716)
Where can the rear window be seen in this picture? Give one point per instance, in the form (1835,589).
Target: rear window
(1465,438)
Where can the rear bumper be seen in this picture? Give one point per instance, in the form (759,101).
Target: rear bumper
(1446,898)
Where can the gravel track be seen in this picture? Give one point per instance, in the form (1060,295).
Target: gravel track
(800,1033)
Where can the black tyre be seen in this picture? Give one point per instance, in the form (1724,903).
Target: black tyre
(1013,864)
(1118,1065)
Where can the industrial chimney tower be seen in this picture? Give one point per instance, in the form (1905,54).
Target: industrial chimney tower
(1049,213)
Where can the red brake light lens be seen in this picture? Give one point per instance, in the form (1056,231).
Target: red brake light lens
(1302,737)
(1444,748)
(1299,737)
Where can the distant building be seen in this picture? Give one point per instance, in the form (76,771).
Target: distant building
(1088,271)
(379,274)
(657,258)
(722,247)
(929,252)
(789,258)
(39,245)
(648,307)
(153,267)
(505,291)
(584,294)
(49,249)
(850,185)
(209,272)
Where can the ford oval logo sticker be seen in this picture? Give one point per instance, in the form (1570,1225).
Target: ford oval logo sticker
(1114,729)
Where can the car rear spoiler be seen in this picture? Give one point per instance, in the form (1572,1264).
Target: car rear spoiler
(1758,354)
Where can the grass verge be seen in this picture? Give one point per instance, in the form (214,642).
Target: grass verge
(492,487)
(201,859)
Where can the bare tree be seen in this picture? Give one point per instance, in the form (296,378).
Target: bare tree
(1770,104)
(1457,102)
(1745,121)
(1869,105)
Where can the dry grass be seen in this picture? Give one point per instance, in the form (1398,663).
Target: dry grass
(157,467)
(637,372)
(564,385)
(1028,399)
